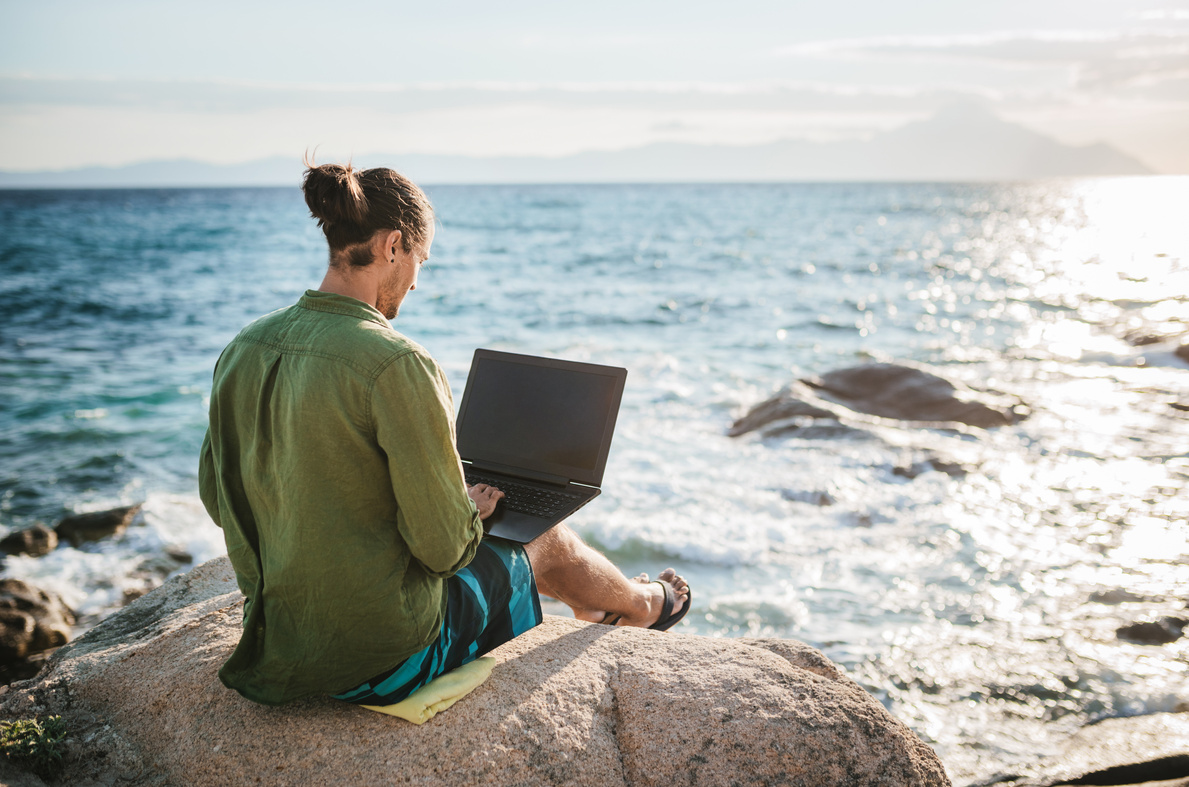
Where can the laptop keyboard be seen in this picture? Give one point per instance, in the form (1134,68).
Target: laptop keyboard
(527,499)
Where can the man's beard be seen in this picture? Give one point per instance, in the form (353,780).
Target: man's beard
(389,297)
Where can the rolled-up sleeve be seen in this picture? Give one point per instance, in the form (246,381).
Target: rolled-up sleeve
(208,485)
(413,414)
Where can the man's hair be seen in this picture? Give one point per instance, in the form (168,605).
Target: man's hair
(351,205)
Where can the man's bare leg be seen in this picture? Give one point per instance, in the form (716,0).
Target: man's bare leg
(571,572)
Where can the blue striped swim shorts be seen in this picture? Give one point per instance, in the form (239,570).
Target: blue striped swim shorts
(488,603)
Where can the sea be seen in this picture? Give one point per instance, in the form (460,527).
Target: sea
(980,607)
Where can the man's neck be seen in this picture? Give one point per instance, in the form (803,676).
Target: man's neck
(359,287)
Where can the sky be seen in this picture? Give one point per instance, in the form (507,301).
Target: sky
(122,81)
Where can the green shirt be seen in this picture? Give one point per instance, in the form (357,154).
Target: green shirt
(330,465)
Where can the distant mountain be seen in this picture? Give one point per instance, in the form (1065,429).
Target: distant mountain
(958,144)
(276,171)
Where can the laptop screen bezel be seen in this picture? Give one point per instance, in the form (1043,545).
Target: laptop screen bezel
(592,476)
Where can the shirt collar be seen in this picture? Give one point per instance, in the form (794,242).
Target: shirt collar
(333,303)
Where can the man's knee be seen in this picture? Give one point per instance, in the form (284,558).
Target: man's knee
(558,543)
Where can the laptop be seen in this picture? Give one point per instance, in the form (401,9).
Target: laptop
(538,429)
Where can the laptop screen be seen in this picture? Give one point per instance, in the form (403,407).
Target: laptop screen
(540,414)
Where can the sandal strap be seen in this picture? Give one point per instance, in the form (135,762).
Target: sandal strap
(670,597)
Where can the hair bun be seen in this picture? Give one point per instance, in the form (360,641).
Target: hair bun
(334,195)
(351,206)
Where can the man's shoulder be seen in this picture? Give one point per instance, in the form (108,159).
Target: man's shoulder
(266,323)
(364,344)
(269,329)
(386,344)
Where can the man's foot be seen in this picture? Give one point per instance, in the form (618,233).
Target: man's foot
(612,619)
(674,606)
(657,616)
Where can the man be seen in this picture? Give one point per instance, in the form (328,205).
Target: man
(330,465)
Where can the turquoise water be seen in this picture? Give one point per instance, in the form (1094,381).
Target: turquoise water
(965,604)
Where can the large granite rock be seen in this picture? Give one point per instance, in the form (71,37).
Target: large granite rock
(567,704)
(32,621)
(885,390)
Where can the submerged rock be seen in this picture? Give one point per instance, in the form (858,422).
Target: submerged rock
(81,528)
(815,497)
(568,703)
(34,541)
(885,390)
(1154,632)
(1154,333)
(1125,751)
(950,467)
(32,621)
(1115,596)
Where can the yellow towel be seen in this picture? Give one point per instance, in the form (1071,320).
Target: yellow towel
(440,693)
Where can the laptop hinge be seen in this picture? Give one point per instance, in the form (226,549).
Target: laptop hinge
(520,472)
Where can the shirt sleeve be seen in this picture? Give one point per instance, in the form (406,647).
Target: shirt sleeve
(208,486)
(413,413)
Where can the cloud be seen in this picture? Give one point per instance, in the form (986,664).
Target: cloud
(672,126)
(933,45)
(1095,59)
(1164,14)
(53,123)
(242,96)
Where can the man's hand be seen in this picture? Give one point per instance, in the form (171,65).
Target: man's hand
(486,498)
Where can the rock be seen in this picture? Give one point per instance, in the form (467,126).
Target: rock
(1154,333)
(815,497)
(568,703)
(817,431)
(785,409)
(1158,632)
(81,528)
(153,570)
(157,567)
(1115,596)
(1144,338)
(867,519)
(1141,332)
(952,469)
(884,390)
(133,593)
(35,541)
(149,574)
(949,467)
(31,622)
(907,393)
(1182,352)
(12,776)
(1124,751)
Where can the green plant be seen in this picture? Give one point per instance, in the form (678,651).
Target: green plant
(34,744)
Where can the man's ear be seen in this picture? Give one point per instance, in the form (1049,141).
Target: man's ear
(392,245)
